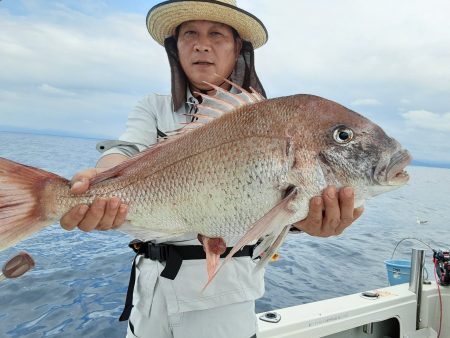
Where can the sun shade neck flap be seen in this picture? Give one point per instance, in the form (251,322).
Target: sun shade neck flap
(244,73)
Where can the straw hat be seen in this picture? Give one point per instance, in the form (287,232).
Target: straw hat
(163,18)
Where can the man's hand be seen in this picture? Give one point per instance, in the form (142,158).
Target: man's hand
(330,214)
(102,214)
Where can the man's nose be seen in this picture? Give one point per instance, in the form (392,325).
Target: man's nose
(202,45)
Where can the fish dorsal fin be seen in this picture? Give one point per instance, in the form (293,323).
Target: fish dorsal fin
(224,101)
(220,103)
(212,107)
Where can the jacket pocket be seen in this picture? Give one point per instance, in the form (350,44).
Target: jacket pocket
(236,282)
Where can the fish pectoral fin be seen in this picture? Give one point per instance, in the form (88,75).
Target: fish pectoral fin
(261,248)
(277,217)
(269,249)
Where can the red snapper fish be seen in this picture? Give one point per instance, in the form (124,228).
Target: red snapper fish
(250,172)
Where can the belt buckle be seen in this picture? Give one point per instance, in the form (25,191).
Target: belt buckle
(135,244)
(158,252)
(163,252)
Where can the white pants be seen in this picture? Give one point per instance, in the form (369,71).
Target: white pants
(154,298)
(229,321)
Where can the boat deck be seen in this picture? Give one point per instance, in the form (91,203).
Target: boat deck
(392,314)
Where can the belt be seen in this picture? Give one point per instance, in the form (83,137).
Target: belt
(173,255)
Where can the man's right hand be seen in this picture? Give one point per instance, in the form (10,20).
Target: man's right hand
(102,214)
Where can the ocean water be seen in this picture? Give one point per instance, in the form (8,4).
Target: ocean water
(78,286)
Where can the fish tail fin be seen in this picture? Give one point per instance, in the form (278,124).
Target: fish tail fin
(25,201)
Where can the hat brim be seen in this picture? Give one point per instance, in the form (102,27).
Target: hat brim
(164,18)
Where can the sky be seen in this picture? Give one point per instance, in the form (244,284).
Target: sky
(77,67)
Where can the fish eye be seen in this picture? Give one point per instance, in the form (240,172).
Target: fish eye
(343,135)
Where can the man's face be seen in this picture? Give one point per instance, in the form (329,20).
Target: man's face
(205,49)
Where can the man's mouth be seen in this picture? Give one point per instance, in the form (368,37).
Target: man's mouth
(203,63)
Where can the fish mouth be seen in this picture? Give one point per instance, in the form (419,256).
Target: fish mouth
(394,173)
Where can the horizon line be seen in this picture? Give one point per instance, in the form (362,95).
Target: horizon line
(55,133)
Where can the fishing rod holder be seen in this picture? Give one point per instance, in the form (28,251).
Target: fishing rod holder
(416,280)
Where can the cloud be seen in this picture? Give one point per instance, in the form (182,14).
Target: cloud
(366,102)
(386,43)
(423,119)
(45,88)
(69,49)
(60,66)
(106,110)
(65,63)
(405,101)
(394,51)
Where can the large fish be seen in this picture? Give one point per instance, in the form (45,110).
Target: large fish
(250,173)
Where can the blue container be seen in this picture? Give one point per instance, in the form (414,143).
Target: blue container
(398,271)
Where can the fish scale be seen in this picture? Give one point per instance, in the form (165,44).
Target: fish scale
(218,204)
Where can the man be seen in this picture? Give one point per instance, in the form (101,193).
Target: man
(205,41)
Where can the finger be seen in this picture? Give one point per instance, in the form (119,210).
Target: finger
(73,217)
(332,216)
(121,215)
(107,221)
(312,224)
(346,202)
(93,215)
(87,173)
(80,181)
(80,186)
(357,213)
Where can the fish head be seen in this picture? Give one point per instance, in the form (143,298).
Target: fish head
(354,151)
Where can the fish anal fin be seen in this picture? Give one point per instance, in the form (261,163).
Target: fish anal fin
(214,247)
